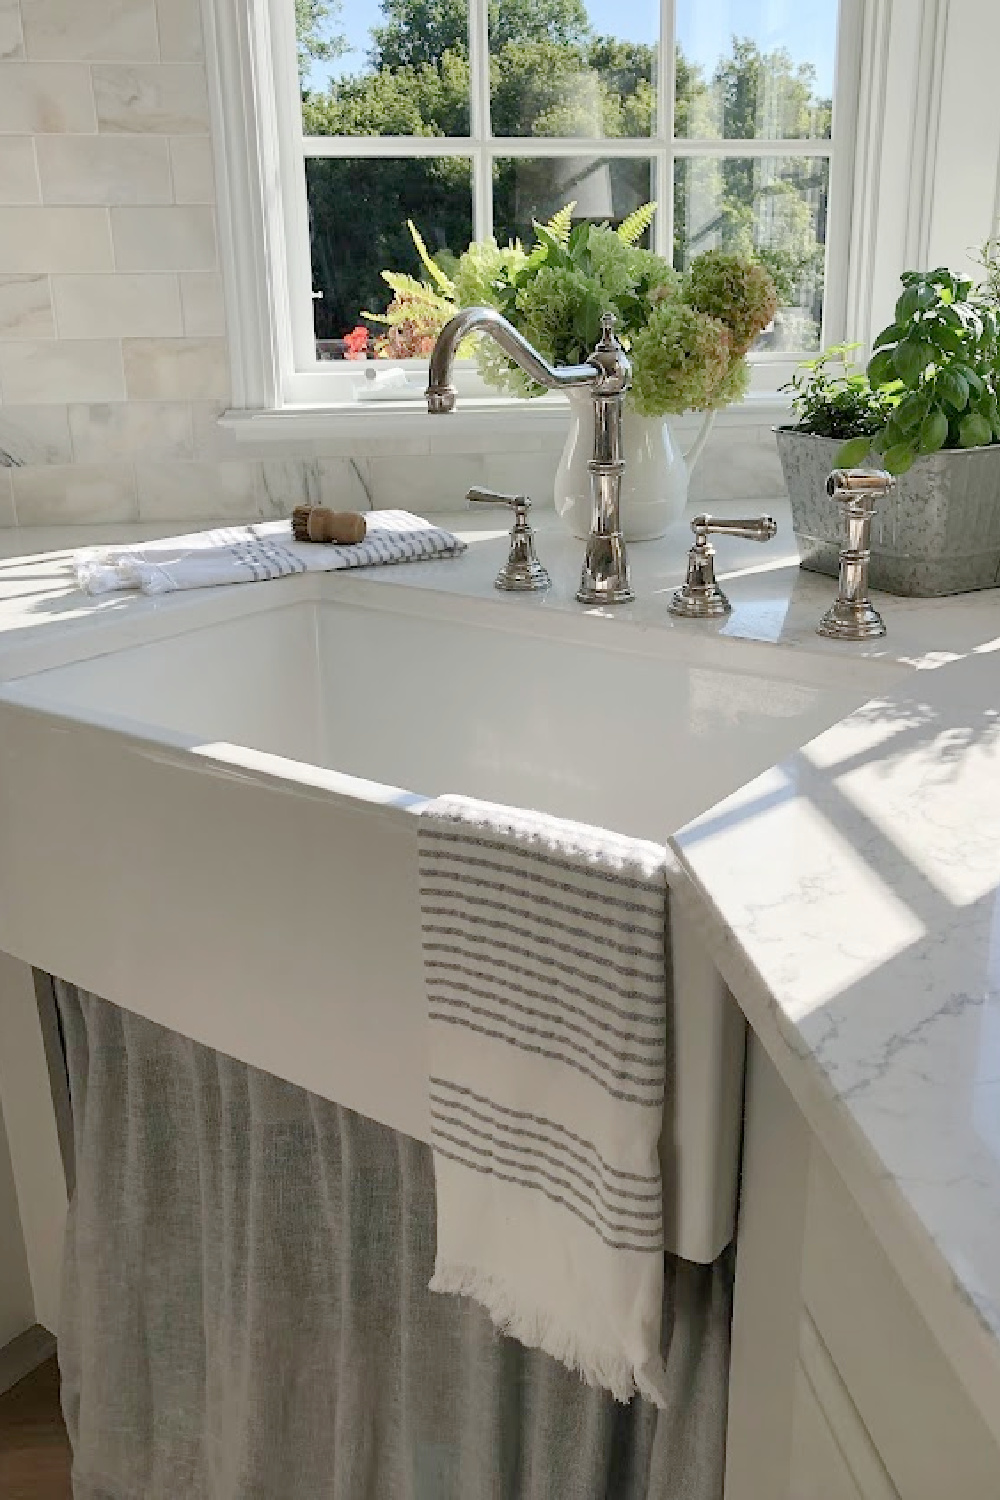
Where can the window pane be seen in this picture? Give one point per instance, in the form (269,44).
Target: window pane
(384,67)
(563,68)
(776,206)
(357,222)
(603,188)
(755,68)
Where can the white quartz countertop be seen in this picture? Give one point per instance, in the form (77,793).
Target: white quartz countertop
(851,899)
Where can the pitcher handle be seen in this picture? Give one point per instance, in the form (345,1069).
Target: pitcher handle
(696,449)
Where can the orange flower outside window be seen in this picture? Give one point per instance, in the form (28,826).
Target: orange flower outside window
(356,343)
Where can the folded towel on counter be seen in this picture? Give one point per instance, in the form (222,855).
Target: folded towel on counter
(546,972)
(251,554)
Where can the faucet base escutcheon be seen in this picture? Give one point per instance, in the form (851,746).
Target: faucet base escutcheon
(851,620)
(605,578)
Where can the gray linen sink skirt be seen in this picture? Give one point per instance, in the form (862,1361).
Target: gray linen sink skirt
(246,1313)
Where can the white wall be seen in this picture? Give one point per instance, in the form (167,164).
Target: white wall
(965,204)
(929,163)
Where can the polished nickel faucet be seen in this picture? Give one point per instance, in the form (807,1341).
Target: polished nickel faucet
(607,374)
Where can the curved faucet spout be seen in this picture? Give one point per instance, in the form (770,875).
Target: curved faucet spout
(607,376)
(440,391)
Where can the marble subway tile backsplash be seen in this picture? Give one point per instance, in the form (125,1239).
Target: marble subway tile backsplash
(104,169)
(178,237)
(203,305)
(131,431)
(738,463)
(26,308)
(180,30)
(178,491)
(55,239)
(100,29)
(176,369)
(46,99)
(287,482)
(7,515)
(210,440)
(162,99)
(18,170)
(117,306)
(531,474)
(74,494)
(433,483)
(61,371)
(34,435)
(11,35)
(193,169)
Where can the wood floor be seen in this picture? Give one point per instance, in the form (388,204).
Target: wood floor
(34,1451)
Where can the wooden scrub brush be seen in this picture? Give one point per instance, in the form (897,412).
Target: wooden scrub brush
(317,523)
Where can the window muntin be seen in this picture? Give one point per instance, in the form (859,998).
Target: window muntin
(736,144)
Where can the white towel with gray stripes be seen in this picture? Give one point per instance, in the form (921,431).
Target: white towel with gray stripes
(545,964)
(254,553)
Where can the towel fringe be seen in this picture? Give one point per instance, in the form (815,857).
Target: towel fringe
(536,1328)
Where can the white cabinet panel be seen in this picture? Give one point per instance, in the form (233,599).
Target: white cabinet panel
(838,1388)
(930,1438)
(818,1468)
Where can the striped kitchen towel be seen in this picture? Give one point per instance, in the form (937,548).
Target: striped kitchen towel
(252,554)
(546,967)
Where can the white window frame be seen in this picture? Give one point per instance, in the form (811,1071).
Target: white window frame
(278,386)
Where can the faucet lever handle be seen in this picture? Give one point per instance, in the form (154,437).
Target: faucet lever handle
(752,529)
(517,503)
(522,572)
(700,597)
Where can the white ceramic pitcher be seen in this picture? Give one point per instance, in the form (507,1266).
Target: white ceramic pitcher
(655,482)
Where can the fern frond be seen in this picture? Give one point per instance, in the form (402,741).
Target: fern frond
(632,229)
(409,289)
(433,270)
(561,223)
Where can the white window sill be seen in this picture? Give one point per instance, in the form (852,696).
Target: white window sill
(476,422)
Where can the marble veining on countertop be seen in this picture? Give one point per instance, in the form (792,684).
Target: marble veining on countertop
(854,893)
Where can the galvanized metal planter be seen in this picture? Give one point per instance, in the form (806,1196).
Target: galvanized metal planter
(937,533)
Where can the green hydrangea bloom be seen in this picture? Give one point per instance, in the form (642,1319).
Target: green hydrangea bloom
(680,361)
(734,289)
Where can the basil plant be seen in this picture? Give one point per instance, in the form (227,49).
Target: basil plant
(938,366)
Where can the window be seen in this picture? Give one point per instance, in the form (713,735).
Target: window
(474,117)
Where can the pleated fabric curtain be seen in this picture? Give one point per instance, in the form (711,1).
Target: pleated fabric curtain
(246,1313)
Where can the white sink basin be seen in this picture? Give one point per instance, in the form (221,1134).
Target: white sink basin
(633,739)
(217,830)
